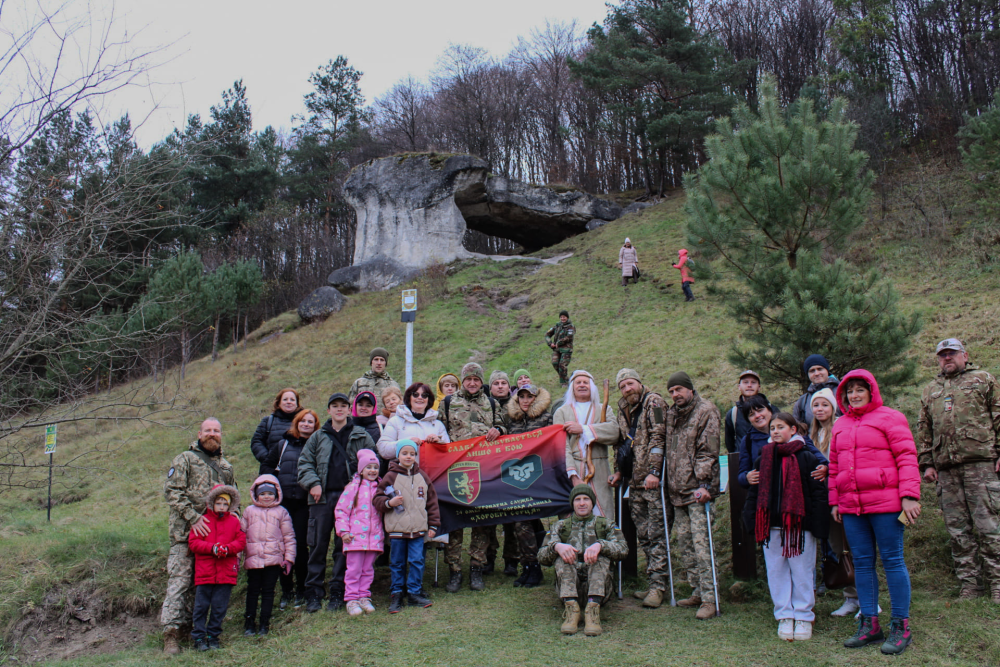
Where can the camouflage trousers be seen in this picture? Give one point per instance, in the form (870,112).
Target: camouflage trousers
(582,580)
(647,514)
(509,544)
(527,544)
(478,544)
(695,555)
(178,604)
(970,496)
(560,362)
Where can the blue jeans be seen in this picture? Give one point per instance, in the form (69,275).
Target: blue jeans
(405,551)
(864,532)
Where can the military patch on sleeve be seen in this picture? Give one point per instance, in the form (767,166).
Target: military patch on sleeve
(657,415)
(170,473)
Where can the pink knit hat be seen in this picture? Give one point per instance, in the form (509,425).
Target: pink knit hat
(366,456)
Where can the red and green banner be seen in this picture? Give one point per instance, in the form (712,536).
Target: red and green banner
(514,478)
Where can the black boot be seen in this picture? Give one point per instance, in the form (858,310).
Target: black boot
(286,599)
(314,605)
(418,600)
(336,603)
(249,627)
(476,578)
(510,567)
(491,565)
(454,582)
(395,603)
(520,580)
(533,575)
(265,627)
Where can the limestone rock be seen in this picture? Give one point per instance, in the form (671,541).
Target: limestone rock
(323,302)
(376,274)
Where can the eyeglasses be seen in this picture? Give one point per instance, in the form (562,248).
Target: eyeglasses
(421,395)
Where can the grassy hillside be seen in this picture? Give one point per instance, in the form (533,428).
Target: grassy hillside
(103,555)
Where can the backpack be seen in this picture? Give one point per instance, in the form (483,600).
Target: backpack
(447,410)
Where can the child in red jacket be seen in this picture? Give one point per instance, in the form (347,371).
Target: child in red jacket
(216,564)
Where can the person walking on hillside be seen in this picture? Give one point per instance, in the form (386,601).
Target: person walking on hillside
(686,279)
(560,339)
(692,478)
(958,436)
(192,474)
(737,425)
(470,413)
(628,262)
(817,368)
(642,429)
(376,378)
(271,429)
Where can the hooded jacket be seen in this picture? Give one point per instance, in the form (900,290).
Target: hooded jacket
(404,425)
(314,462)
(538,415)
(692,450)
(419,499)
(285,460)
(628,258)
(439,392)
(873,460)
(270,535)
(223,529)
(356,514)
(369,423)
(270,432)
(682,258)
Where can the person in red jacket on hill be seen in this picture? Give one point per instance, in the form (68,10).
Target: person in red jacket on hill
(875,491)
(686,279)
(216,564)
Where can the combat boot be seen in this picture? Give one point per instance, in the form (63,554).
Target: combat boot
(693,601)
(490,566)
(476,578)
(640,595)
(533,577)
(899,637)
(970,592)
(592,620)
(995,596)
(653,599)
(705,611)
(170,643)
(249,627)
(454,582)
(510,567)
(571,618)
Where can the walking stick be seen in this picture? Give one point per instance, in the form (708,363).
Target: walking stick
(619,525)
(591,469)
(666,531)
(711,551)
(437,556)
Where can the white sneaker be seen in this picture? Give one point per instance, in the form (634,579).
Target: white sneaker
(858,615)
(786,629)
(803,631)
(849,608)
(366,605)
(354,608)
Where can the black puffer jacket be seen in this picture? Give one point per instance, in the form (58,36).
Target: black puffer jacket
(284,459)
(269,433)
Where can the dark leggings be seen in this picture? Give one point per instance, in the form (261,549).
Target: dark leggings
(294,583)
(261,581)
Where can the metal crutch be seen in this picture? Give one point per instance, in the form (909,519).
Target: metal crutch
(437,556)
(619,525)
(666,531)
(711,551)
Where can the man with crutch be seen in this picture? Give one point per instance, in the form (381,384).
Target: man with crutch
(692,471)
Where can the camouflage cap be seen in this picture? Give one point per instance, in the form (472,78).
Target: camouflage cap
(950,344)
(472,369)
(748,373)
(627,373)
(530,388)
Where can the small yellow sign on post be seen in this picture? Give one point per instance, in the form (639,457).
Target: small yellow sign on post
(50,439)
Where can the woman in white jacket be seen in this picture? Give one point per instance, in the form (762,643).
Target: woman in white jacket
(414,419)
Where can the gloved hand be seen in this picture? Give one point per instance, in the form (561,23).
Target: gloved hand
(220,551)
(287,567)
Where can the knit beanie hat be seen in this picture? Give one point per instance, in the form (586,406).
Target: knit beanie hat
(582,489)
(824,393)
(406,443)
(366,457)
(627,373)
(563,312)
(378,352)
(498,375)
(225,496)
(472,369)
(266,487)
(680,379)
(815,360)
(628,240)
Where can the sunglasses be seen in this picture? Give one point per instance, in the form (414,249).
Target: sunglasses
(421,394)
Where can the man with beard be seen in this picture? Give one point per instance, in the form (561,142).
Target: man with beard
(642,426)
(376,378)
(191,476)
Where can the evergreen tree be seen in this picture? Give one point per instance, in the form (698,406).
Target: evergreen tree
(180,298)
(248,289)
(781,189)
(980,137)
(221,296)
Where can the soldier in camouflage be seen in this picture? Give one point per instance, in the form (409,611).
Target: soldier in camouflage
(692,479)
(642,422)
(470,413)
(560,339)
(582,547)
(958,446)
(375,379)
(191,476)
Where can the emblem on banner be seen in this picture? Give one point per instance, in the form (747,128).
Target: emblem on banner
(464,482)
(521,473)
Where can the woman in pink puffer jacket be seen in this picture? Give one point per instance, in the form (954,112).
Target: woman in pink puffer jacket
(270,549)
(873,478)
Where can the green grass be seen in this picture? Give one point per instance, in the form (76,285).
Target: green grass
(111,539)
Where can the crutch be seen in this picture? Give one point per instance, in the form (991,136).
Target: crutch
(711,552)
(666,531)
(619,525)
(437,556)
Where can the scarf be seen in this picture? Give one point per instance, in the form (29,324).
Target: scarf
(791,501)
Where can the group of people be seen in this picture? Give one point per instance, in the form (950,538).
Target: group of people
(345,487)
(628,262)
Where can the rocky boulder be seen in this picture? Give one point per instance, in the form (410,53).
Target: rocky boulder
(322,303)
(376,274)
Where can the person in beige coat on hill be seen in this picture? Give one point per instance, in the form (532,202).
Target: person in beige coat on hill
(628,261)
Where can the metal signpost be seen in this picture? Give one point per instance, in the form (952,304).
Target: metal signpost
(50,449)
(409,316)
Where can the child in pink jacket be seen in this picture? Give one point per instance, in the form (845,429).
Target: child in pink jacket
(359,525)
(270,550)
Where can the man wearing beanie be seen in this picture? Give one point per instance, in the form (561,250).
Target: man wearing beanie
(642,427)
(560,339)
(470,413)
(692,479)
(582,548)
(376,378)
(817,369)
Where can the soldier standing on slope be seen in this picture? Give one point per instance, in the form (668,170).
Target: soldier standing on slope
(560,339)
(958,440)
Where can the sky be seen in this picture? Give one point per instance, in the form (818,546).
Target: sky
(274,46)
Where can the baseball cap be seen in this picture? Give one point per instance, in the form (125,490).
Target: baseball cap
(339,396)
(950,344)
(530,388)
(748,372)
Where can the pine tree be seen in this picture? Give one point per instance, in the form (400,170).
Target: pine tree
(782,189)
(179,291)
(980,137)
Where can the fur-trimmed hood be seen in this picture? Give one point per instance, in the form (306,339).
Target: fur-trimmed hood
(222,488)
(537,409)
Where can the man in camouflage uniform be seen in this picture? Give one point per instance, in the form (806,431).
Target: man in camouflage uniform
(582,548)
(191,476)
(958,446)
(375,379)
(642,422)
(470,413)
(692,478)
(560,339)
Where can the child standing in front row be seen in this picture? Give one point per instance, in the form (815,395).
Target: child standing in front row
(407,499)
(787,510)
(270,550)
(216,565)
(359,525)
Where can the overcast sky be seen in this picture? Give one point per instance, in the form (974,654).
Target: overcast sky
(274,46)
